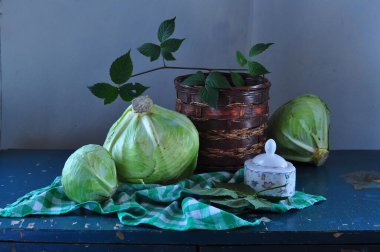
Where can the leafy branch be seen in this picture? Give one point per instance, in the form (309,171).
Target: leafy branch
(187,68)
(120,72)
(122,68)
(216,80)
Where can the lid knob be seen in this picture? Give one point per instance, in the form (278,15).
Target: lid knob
(269,158)
(270,147)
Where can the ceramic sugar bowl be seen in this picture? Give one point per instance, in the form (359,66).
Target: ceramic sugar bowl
(270,170)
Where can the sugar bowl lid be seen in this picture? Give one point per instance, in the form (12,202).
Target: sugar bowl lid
(269,158)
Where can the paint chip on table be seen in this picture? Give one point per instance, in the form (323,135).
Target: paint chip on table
(117,226)
(14,222)
(120,235)
(337,235)
(17,222)
(30,225)
(265,219)
(363,179)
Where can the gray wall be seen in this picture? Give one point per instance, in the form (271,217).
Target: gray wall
(52,50)
(330,48)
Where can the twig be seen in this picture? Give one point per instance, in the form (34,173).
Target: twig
(188,68)
(271,188)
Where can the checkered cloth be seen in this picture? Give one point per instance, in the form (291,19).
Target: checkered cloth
(193,203)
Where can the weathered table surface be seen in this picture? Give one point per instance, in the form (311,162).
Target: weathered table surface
(349,219)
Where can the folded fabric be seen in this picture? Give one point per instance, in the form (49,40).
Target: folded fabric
(192,203)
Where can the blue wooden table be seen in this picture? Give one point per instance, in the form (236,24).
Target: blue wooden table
(348,221)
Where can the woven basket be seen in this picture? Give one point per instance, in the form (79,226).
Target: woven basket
(235,130)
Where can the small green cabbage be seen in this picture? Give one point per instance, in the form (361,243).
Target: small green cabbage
(300,128)
(89,174)
(151,144)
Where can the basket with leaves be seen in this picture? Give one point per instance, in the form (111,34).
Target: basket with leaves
(228,106)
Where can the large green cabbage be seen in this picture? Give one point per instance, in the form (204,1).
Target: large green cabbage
(151,144)
(300,128)
(89,174)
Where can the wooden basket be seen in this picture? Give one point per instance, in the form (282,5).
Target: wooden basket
(235,130)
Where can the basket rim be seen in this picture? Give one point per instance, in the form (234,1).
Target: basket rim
(265,85)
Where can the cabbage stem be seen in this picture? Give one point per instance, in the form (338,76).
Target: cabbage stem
(320,156)
(142,104)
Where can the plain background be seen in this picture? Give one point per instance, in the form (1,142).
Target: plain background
(52,50)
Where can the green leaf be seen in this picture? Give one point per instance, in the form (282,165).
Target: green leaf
(150,50)
(167,55)
(171,45)
(130,91)
(259,48)
(272,199)
(237,79)
(259,203)
(240,188)
(194,79)
(121,69)
(213,192)
(104,91)
(166,29)
(242,61)
(217,80)
(232,203)
(210,96)
(255,68)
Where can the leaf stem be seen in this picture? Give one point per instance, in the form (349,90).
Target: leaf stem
(188,68)
(271,188)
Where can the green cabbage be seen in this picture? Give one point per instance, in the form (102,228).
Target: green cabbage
(300,128)
(151,144)
(89,174)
